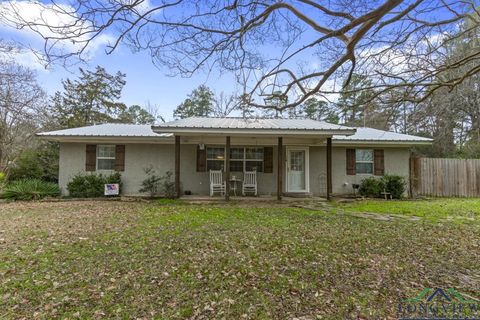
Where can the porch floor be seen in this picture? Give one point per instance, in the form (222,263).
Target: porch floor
(248,199)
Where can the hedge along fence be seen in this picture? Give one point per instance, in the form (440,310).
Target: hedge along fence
(442,177)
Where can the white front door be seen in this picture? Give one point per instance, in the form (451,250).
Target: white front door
(297,169)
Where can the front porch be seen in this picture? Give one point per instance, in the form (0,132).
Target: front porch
(283,165)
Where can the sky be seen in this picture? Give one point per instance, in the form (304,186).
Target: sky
(145,83)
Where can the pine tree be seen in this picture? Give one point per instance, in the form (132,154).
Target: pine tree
(199,103)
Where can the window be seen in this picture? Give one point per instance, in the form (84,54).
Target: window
(364,161)
(236,159)
(215,158)
(254,159)
(241,159)
(106,157)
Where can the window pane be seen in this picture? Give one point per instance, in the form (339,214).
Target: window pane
(106,164)
(254,153)
(236,153)
(297,160)
(214,164)
(364,167)
(106,151)
(215,153)
(236,166)
(254,166)
(364,155)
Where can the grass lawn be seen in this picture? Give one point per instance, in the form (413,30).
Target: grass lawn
(458,210)
(172,261)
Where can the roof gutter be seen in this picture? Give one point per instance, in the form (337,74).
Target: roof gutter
(381,142)
(100,138)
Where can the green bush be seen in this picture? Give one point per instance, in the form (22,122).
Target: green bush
(371,187)
(394,184)
(154,184)
(168,185)
(39,163)
(151,184)
(30,189)
(92,185)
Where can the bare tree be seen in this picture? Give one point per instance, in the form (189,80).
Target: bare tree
(21,104)
(224,104)
(293,48)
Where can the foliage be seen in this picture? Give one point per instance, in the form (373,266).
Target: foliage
(90,99)
(3,180)
(199,103)
(394,184)
(30,189)
(150,184)
(371,187)
(22,103)
(168,185)
(356,106)
(38,163)
(155,185)
(92,185)
(148,254)
(319,110)
(136,115)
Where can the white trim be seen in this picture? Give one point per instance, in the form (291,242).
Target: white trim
(372,162)
(253,139)
(387,143)
(97,157)
(307,168)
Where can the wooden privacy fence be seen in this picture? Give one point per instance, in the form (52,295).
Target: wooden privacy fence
(445,177)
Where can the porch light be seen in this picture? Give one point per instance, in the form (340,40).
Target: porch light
(201,146)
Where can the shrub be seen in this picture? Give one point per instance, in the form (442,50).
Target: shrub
(154,184)
(39,163)
(30,189)
(92,185)
(394,184)
(168,185)
(151,184)
(371,187)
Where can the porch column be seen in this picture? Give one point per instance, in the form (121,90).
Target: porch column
(227,168)
(177,166)
(280,168)
(329,167)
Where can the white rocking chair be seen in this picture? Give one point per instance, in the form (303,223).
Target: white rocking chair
(217,184)
(249,182)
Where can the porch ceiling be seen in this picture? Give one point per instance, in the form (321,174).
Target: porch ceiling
(253,140)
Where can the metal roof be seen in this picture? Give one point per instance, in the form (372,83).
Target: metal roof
(250,123)
(108,130)
(370,134)
(367,135)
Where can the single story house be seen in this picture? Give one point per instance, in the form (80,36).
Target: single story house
(298,157)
